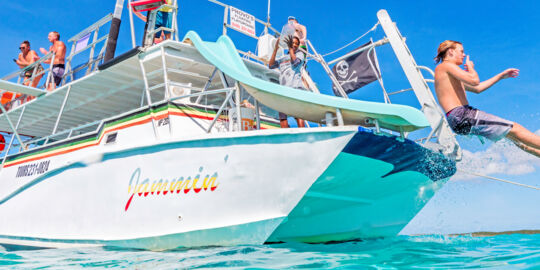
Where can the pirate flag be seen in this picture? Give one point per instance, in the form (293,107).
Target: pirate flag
(356,71)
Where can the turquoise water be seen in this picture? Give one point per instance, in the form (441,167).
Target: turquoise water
(421,252)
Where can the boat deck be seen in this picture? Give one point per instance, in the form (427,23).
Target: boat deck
(116,87)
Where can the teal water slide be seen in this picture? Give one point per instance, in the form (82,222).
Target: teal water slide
(304,104)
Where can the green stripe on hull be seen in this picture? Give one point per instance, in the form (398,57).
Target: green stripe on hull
(94,137)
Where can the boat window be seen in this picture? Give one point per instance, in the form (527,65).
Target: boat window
(111,138)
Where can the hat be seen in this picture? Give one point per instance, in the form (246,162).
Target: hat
(292,18)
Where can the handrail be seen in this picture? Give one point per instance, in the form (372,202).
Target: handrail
(91,28)
(88,46)
(427,69)
(64,132)
(86,33)
(99,123)
(29,67)
(410,89)
(163,28)
(320,59)
(150,31)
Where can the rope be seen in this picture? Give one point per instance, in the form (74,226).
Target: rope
(352,42)
(500,180)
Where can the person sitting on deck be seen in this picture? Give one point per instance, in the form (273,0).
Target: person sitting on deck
(163,19)
(450,84)
(290,71)
(26,58)
(59,49)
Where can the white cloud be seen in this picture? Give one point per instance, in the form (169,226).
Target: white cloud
(502,157)
(20,8)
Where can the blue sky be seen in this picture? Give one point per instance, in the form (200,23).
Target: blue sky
(496,34)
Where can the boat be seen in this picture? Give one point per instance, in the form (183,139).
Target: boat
(157,149)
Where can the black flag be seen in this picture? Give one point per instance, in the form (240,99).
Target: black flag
(355,71)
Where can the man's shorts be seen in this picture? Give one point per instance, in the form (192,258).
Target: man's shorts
(163,19)
(466,120)
(58,72)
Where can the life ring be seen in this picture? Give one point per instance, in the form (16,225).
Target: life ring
(6,97)
(2,143)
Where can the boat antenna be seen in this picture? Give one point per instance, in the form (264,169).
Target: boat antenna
(267,18)
(113,32)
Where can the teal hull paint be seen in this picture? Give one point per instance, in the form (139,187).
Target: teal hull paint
(242,234)
(352,199)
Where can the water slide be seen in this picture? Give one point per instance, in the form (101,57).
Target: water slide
(304,104)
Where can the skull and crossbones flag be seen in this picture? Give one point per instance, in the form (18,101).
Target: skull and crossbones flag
(356,71)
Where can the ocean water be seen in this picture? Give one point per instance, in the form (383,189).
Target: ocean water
(515,251)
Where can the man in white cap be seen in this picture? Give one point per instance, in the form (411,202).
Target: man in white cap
(300,31)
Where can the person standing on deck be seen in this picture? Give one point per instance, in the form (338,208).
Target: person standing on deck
(300,32)
(290,71)
(163,19)
(26,58)
(451,82)
(59,49)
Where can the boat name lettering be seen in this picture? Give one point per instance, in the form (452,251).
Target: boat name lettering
(169,187)
(33,169)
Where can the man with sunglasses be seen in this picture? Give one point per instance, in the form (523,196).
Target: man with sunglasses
(26,58)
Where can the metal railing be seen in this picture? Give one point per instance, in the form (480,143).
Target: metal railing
(151,19)
(233,101)
(80,43)
(37,70)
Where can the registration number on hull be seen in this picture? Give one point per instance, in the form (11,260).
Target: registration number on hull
(33,169)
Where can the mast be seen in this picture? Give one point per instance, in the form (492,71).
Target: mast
(267,18)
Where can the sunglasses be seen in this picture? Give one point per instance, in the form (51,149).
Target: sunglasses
(22,48)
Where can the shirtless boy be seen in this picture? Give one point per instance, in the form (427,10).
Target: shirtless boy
(59,48)
(450,84)
(26,58)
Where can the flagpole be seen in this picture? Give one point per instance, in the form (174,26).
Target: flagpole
(267,18)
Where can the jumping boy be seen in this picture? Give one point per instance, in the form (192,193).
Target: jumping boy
(450,84)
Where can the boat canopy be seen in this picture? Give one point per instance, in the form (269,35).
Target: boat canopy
(116,87)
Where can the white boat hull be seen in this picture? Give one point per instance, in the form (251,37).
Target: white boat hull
(227,190)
